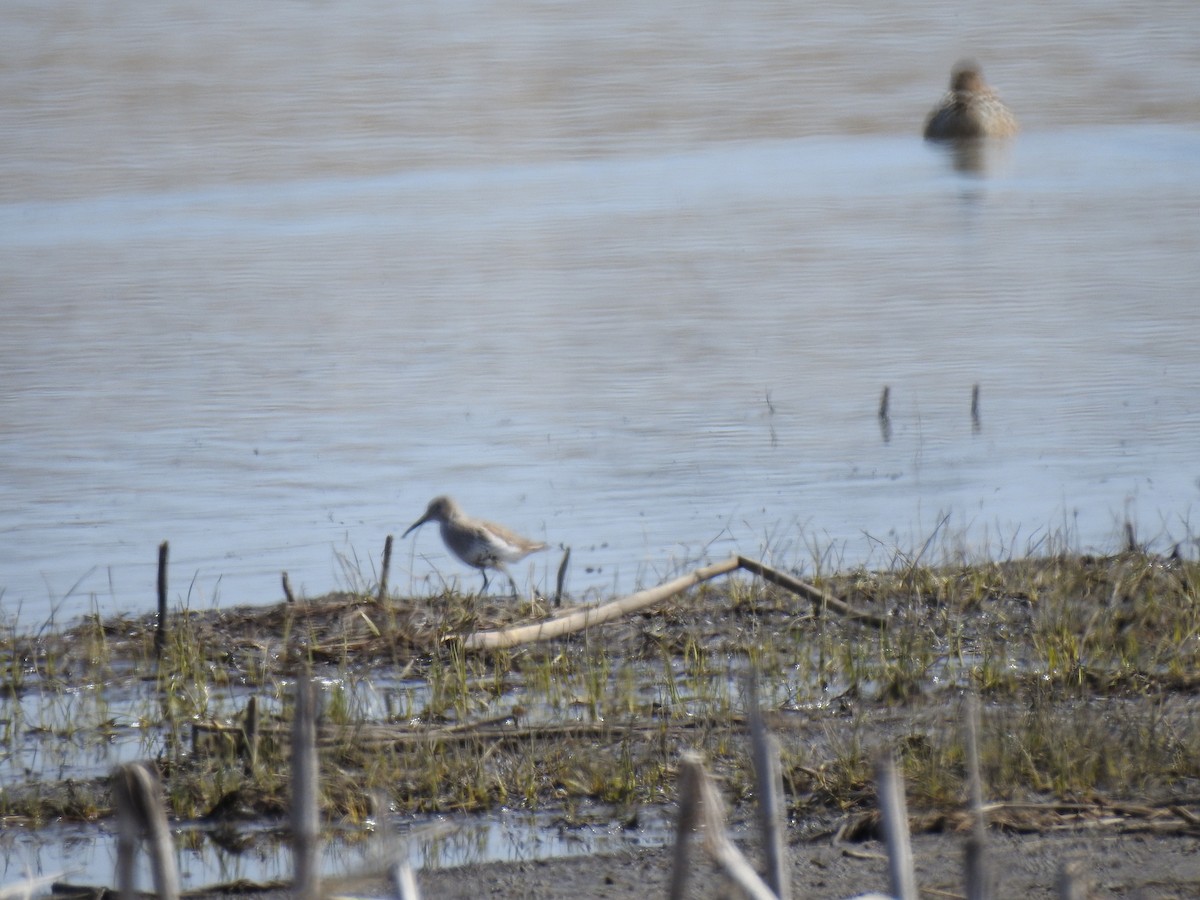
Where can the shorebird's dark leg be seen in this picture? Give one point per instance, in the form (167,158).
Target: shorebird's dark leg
(500,567)
(483,572)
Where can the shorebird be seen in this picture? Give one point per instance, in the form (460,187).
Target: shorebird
(484,545)
(970,109)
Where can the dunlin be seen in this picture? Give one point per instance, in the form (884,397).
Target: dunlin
(970,109)
(484,545)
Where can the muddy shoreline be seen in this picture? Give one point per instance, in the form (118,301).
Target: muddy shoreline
(1085,670)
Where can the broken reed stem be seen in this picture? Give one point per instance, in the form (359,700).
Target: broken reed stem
(405,881)
(978,883)
(160,633)
(287,589)
(700,806)
(383,576)
(768,778)
(883,402)
(250,734)
(1131,544)
(894,809)
(1071,883)
(306,825)
(562,578)
(137,794)
(685,825)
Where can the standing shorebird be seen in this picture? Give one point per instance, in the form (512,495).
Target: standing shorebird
(484,545)
(970,109)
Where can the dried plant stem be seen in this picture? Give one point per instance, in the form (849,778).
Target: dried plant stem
(305,816)
(578,620)
(141,816)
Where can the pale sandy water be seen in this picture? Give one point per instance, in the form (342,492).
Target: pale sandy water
(628,277)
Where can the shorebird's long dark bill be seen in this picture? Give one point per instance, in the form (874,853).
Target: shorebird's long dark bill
(417,524)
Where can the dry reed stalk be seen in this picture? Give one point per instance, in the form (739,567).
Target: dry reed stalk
(387,564)
(700,804)
(306,824)
(250,734)
(978,880)
(405,881)
(562,578)
(768,777)
(30,887)
(684,826)
(138,796)
(1072,885)
(160,632)
(287,589)
(894,810)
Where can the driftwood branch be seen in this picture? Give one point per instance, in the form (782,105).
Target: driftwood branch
(821,600)
(593,615)
(580,619)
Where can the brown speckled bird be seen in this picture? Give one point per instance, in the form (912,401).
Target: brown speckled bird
(970,109)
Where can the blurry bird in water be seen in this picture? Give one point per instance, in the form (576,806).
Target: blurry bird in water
(970,109)
(484,545)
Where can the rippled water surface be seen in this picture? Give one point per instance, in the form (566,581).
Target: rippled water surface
(629,278)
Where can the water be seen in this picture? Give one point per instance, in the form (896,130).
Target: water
(87,856)
(628,279)
(55,734)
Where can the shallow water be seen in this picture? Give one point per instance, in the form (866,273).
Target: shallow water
(627,279)
(87,856)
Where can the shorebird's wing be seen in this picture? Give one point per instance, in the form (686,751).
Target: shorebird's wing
(510,546)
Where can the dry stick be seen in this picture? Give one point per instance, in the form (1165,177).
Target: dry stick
(1131,544)
(562,577)
(1071,883)
(140,815)
(387,562)
(716,840)
(405,881)
(885,418)
(975,423)
(890,787)
(595,615)
(305,818)
(978,886)
(160,633)
(287,589)
(768,777)
(30,887)
(689,807)
(821,600)
(250,735)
